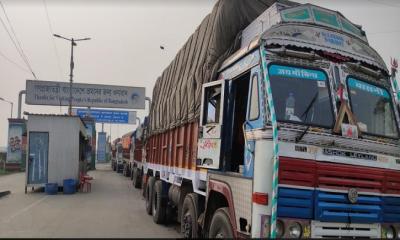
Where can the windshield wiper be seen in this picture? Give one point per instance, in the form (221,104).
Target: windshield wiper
(298,139)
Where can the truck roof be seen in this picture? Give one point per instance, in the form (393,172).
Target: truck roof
(308,26)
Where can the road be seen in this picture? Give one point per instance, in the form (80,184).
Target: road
(112,209)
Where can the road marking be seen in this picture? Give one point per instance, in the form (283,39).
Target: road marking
(24,209)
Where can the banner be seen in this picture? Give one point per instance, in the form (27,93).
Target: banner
(101,147)
(90,151)
(84,95)
(107,116)
(16,141)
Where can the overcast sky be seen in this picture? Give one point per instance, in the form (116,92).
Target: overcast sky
(126,36)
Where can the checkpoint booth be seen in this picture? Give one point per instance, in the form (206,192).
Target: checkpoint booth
(56,147)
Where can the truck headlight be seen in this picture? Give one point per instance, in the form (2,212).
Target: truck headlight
(295,230)
(390,232)
(280,229)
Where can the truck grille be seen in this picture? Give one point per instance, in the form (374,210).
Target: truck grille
(392,183)
(391,209)
(295,203)
(301,172)
(297,172)
(335,207)
(345,176)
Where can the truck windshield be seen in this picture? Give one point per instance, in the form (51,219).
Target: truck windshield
(372,106)
(301,95)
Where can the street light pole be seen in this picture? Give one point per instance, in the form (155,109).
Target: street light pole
(12,104)
(71,70)
(71,67)
(22,92)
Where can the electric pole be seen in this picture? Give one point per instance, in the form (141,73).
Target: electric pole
(71,65)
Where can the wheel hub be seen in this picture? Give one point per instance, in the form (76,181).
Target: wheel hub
(219,235)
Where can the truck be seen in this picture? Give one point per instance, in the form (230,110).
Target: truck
(137,155)
(275,119)
(126,142)
(117,157)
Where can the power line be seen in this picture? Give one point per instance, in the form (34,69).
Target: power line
(52,39)
(21,51)
(13,32)
(12,40)
(19,47)
(16,64)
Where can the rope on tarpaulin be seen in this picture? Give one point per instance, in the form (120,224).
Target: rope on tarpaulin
(274,206)
(395,65)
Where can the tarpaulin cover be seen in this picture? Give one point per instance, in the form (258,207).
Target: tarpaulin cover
(177,92)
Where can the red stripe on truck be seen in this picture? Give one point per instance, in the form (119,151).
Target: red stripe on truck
(311,173)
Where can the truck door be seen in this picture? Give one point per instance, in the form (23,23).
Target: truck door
(211,116)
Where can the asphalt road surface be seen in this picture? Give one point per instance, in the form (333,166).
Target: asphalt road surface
(113,209)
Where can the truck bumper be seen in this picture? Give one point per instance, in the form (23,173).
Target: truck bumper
(346,230)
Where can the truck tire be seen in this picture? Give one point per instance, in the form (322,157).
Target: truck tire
(220,226)
(159,203)
(136,178)
(133,169)
(144,186)
(189,225)
(149,193)
(128,171)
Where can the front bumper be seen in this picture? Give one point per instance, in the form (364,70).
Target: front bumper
(346,230)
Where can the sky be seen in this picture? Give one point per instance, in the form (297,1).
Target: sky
(125,42)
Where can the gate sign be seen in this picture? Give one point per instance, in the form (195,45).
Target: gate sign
(84,95)
(107,116)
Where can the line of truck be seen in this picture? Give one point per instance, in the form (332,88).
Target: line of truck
(275,119)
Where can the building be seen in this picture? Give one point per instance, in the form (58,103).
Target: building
(56,149)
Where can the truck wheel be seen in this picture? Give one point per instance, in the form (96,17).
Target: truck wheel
(136,178)
(128,171)
(144,186)
(159,203)
(124,171)
(149,193)
(220,224)
(189,226)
